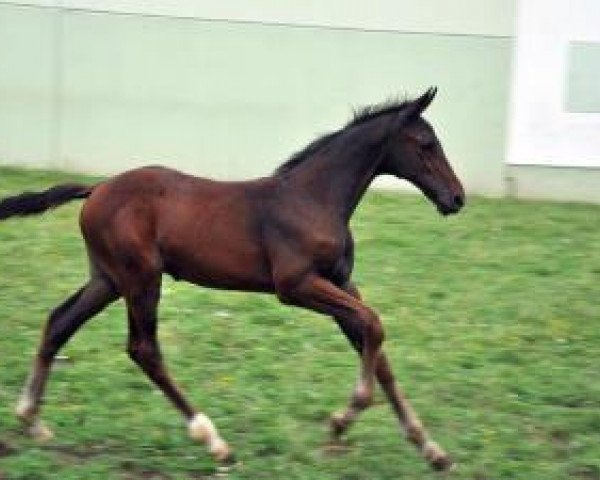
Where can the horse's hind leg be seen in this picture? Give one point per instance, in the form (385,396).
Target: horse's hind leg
(408,418)
(143,348)
(62,324)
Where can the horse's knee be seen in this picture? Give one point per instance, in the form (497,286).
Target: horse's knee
(143,352)
(374,330)
(362,398)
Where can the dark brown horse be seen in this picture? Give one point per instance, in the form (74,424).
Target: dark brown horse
(286,234)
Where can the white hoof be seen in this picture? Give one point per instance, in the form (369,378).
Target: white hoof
(39,431)
(200,428)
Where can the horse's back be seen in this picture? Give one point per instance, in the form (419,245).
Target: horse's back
(155,189)
(200,230)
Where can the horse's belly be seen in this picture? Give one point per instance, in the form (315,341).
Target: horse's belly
(221,267)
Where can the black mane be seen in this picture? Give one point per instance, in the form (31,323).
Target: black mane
(361,115)
(370,112)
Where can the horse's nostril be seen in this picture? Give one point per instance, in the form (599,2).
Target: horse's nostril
(459,201)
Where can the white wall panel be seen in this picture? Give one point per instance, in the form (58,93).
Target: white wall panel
(542,131)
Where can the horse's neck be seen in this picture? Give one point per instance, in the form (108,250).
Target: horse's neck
(338,179)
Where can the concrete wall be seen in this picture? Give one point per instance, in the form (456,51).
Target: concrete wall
(28,68)
(478,17)
(228,90)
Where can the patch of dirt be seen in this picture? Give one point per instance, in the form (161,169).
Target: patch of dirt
(340,447)
(268,451)
(560,438)
(77,454)
(586,472)
(6,450)
(200,475)
(131,471)
(561,441)
(150,475)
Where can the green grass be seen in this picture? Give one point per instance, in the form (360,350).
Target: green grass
(492,322)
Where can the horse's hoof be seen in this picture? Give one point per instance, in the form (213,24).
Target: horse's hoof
(39,431)
(227,464)
(337,447)
(437,458)
(223,454)
(443,464)
(337,425)
(228,461)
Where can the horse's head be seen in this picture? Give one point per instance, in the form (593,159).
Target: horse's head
(415,154)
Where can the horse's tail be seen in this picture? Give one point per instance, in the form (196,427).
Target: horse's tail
(30,203)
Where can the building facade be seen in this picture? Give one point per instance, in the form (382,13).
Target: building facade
(231,89)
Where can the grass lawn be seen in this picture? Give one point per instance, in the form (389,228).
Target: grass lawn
(493,327)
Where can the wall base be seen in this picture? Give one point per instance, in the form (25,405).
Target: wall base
(553,183)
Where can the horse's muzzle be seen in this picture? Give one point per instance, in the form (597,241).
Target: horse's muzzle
(452,205)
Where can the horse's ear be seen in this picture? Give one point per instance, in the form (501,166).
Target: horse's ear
(417,106)
(425,100)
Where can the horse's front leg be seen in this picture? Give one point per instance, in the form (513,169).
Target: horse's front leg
(319,294)
(409,420)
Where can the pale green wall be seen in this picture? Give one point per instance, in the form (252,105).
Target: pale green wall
(583,81)
(476,17)
(102,92)
(233,100)
(27,70)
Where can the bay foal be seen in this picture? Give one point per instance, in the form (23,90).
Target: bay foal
(287,234)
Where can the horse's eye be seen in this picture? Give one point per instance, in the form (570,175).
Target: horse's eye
(428,146)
